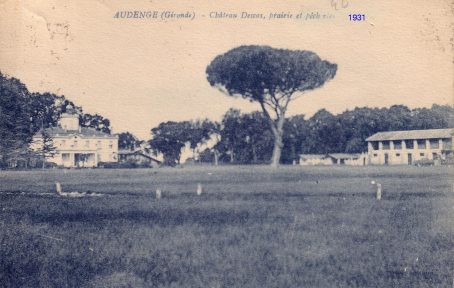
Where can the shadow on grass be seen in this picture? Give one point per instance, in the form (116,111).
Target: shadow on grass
(162,217)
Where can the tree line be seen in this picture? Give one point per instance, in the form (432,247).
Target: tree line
(242,138)
(246,138)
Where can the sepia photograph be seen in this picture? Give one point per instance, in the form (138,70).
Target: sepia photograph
(154,143)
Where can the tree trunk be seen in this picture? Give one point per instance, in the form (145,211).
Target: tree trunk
(293,152)
(278,131)
(277,127)
(254,154)
(277,150)
(216,158)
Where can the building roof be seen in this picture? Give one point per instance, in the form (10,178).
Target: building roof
(138,152)
(412,134)
(343,156)
(312,156)
(83,132)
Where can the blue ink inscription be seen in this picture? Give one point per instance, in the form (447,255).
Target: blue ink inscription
(357,17)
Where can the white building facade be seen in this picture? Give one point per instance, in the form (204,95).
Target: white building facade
(78,146)
(406,147)
(334,159)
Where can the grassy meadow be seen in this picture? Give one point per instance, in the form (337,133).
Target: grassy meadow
(252,227)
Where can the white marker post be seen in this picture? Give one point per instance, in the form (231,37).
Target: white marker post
(199,189)
(378,191)
(158,194)
(58,188)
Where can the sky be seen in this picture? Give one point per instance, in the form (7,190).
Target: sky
(140,72)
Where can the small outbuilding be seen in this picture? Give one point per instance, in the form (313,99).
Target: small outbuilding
(138,157)
(315,159)
(333,159)
(348,159)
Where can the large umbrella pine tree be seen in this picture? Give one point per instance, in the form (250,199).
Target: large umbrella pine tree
(272,77)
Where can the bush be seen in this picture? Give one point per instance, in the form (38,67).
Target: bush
(449,159)
(108,165)
(424,162)
(50,165)
(122,165)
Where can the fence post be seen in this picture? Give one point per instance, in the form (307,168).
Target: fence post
(199,189)
(379,191)
(58,188)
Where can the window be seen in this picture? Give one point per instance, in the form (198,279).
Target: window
(447,144)
(421,144)
(397,145)
(65,157)
(374,145)
(409,144)
(434,144)
(421,154)
(385,145)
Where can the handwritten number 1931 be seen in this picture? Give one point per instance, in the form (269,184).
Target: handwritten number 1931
(357,17)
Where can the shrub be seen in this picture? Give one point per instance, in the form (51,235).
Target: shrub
(424,162)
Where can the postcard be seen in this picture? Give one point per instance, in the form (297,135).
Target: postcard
(226,143)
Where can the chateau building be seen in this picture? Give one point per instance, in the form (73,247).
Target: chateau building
(78,146)
(405,147)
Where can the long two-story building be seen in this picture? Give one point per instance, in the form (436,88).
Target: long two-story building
(405,147)
(78,146)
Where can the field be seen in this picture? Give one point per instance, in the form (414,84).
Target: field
(252,227)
